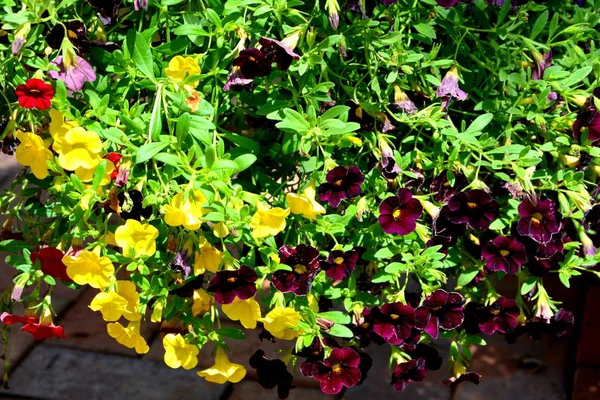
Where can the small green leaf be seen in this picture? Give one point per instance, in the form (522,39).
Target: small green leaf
(335,316)
(340,331)
(99,173)
(147,151)
(231,333)
(140,53)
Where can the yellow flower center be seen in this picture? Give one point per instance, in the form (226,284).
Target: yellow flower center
(471,205)
(339,182)
(365,325)
(397,213)
(71,34)
(300,269)
(338,260)
(394,317)
(233,279)
(537,218)
(504,253)
(252,59)
(495,312)
(336,369)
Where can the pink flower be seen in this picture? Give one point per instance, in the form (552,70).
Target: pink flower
(74,76)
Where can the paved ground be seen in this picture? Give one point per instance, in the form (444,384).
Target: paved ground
(91,365)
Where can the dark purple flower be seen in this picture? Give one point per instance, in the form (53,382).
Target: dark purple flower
(340,264)
(504,253)
(449,87)
(501,316)
(591,220)
(281,53)
(589,118)
(131,204)
(542,61)
(108,10)
(433,360)
(181,264)
(238,82)
(476,208)
(389,168)
(440,310)
(304,261)
(272,373)
(252,63)
(561,322)
(468,376)
(76,33)
(140,5)
(314,354)
(403,102)
(539,220)
(188,288)
(340,369)
(393,322)
(356,6)
(363,329)
(471,322)
(443,189)
(444,230)
(398,214)
(341,183)
(406,372)
(227,285)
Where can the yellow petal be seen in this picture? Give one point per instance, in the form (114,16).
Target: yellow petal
(245,311)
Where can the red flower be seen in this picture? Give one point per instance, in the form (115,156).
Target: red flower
(115,158)
(32,325)
(10,319)
(338,370)
(51,262)
(35,94)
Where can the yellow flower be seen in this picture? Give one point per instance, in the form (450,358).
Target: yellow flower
(280,321)
(32,152)
(87,175)
(180,66)
(78,148)
(110,304)
(58,125)
(268,221)
(209,259)
(187,212)
(202,302)
(305,203)
(220,230)
(127,290)
(178,353)
(223,370)
(88,268)
(245,311)
(129,337)
(136,239)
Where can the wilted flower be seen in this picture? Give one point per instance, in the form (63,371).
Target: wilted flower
(403,102)
(398,214)
(539,219)
(504,253)
(389,168)
(131,205)
(440,310)
(181,264)
(280,52)
(542,61)
(501,316)
(107,9)
(333,9)
(272,373)
(304,261)
(75,32)
(340,369)
(340,264)
(34,94)
(227,285)
(20,38)
(393,322)
(409,371)
(341,183)
(467,376)
(476,208)
(238,82)
(449,88)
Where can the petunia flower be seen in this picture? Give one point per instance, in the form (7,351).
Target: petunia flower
(78,148)
(305,263)
(75,75)
(182,67)
(539,219)
(246,311)
(136,239)
(268,221)
(338,370)
(443,189)
(363,328)
(32,153)
(202,302)
(76,33)
(131,205)
(186,210)
(313,354)
(280,52)
(280,322)
(178,353)
(476,208)
(440,310)
(409,371)
(110,304)
(223,370)
(227,285)
(51,263)
(238,82)
(341,183)
(449,88)
(340,264)
(272,373)
(252,63)
(129,337)
(45,328)
(393,322)
(398,214)
(88,268)
(208,259)
(500,316)
(389,169)
(504,253)
(305,203)
(34,94)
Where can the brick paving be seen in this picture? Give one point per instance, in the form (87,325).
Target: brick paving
(91,365)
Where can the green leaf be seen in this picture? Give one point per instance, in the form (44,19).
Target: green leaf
(14,246)
(99,173)
(467,276)
(576,76)
(182,128)
(528,285)
(294,122)
(231,333)
(335,316)
(383,253)
(245,161)
(210,155)
(480,122)
(340,331)
(426,30)
(190,30)
(147,151)
(539,25)
(140,53)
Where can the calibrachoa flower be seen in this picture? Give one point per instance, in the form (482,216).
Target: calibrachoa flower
(443,189)
(539,219)
(132,207)
(280,322)
(440,310)
(128,291)
(110,304)
(272,373)
(178,353)
(136,239)
(409,371)
(59,126)
(476,208)
(32,153)
(223,370)
(304,261)
(182,67)
(281,53)
(338,370)
(208,259)
(449,88)
(75,75)
(78,148)
(186,209)
(313,354)
(129,337)
(340,264)
(246,311)
(51,263)
(398,214)
(268,221)
(202,302)
(500,316)
(342,183)
(542,61)
(227,285)
(393,322)
(44,329)
(88,268)
(589,118)
(252,63)
(35,94)
(504,253)
(305,203)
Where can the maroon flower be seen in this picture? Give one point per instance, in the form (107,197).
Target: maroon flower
(561,322)
(342,183)
(445,231)
(51,263)
(504,253)
(272,373)
(35,94)
(304,261)
(314,354)
(501,316)
(440,310)
(340,369)
(591,220)
(476,208)
(278,52)
(539,220)
(406,372)
(340,264)
(468,376)
(589,118)
(393,322)
(131,204)
(542,61)
(443,189)
(363,329)
(227,285)
(398,214)
(252,63)
(433,360)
